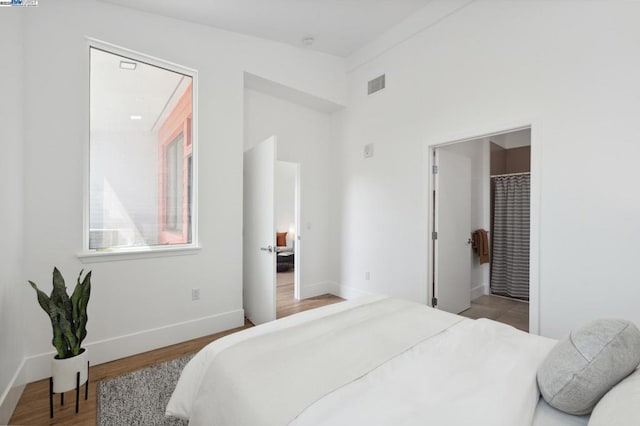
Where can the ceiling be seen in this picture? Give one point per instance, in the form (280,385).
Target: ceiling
(147,93)
(338,27)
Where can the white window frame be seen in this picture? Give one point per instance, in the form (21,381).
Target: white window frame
(88,255)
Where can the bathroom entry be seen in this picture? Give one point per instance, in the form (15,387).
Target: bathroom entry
(480,224)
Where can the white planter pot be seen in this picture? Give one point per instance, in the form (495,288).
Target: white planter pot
(64,372)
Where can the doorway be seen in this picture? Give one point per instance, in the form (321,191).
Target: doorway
(479,255)
(271,242)
(287,213)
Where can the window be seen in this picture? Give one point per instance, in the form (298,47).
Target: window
(173,191)
(141,153)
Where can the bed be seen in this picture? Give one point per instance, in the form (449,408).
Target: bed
(374,361)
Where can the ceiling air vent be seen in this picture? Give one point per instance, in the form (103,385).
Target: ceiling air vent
(375,85)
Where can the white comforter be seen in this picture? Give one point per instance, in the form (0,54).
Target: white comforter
(450,372)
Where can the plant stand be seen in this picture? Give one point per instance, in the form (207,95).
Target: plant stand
(78,386)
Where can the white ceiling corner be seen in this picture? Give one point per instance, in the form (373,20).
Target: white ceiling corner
(339,27)
(290,94)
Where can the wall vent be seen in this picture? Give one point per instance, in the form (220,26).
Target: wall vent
(376,84)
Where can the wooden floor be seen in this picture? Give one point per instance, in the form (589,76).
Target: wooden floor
(501,309)
(33,407)
(286,304)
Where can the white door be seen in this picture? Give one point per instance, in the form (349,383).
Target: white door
(259,272)
(453,225)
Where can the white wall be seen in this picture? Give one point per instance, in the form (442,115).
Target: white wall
(569,68)
(285,198)
(140,304)
(304,137)
(478,153)
(12,280)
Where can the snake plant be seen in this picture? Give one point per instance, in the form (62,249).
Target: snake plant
(68,315)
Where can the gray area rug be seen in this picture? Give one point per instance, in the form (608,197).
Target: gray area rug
(140,398)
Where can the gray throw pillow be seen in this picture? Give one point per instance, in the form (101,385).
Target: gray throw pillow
(582,368)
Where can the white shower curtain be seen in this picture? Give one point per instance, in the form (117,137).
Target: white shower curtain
(510,236)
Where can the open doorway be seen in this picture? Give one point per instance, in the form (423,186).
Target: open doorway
(302,124)
(287,208)
(271,243)
(480,218)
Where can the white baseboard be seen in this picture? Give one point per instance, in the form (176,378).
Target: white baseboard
(317,289)
(330,287)
(38,367)
(10,397)
(347,292)
(479,290)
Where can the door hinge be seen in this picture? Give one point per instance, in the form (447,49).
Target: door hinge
(434,235)
(434,302)
(434,169)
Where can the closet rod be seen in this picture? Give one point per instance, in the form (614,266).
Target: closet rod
(511,174)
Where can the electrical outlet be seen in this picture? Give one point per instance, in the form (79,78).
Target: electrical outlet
(367,275)
(195,294)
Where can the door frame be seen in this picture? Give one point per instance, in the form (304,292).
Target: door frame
(536,177)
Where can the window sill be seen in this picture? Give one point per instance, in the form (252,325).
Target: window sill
(114,255)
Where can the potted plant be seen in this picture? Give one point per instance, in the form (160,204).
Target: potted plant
(68,317)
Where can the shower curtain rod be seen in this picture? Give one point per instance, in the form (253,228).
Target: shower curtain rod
(511,174)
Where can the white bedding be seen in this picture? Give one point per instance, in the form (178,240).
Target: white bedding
(476,372)
(546,415)
(455,372)
(188,385)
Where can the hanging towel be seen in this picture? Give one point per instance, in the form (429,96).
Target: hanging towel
(481,245)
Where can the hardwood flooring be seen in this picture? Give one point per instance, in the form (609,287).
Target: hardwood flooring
(284,278)
(286,304)
(33,407)
(501,309)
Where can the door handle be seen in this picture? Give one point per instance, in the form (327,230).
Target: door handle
(268,248)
